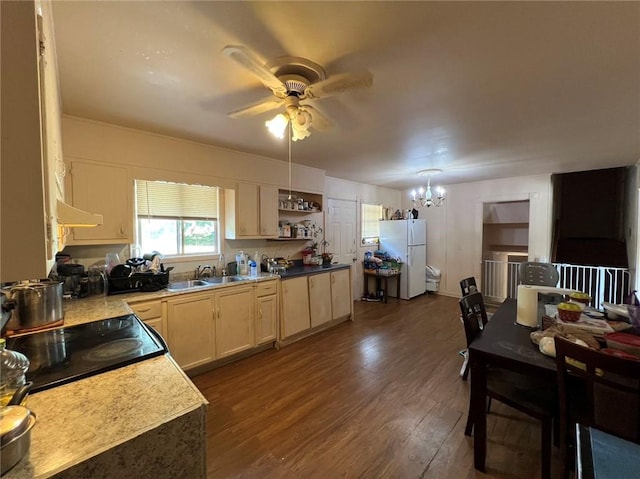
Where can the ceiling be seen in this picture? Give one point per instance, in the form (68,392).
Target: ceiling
(481,90)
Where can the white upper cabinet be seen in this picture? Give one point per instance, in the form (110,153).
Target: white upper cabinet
(251,211)
(268,211)
(30,142)
(105,189)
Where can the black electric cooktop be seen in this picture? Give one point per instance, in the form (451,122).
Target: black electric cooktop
(59,356)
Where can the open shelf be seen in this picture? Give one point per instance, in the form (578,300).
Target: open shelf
(287,210)
(312,198)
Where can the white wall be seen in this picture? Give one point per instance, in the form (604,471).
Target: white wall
(152,156)
(454,230)
(360,193)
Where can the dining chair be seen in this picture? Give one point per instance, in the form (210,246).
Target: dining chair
(468,285)
(519,391)
(540,274)
(598,390)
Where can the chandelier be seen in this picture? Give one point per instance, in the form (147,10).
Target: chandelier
(424,197)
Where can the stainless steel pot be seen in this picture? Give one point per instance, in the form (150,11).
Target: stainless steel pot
(35,304)
(15,439)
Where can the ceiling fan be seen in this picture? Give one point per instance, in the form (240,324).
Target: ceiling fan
(292,80)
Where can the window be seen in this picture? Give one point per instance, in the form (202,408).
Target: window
(177,219)
(371,215)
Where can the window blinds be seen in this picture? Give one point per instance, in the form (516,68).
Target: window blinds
(371,215)
(175,200)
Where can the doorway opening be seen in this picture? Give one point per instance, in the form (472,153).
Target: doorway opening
(505,244)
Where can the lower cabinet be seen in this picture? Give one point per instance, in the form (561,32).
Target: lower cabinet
(191,330)
(319,299)
(266,312)
(151,313)
(295,306)
(234,321)
(203,327)
(341,301)
(310,301)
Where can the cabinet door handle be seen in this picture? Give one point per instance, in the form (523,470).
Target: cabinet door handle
(144,310)
(260,313)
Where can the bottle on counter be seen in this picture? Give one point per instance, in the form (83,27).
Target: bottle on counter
(221,269)
(13,367)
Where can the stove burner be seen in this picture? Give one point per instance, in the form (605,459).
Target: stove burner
(114,349)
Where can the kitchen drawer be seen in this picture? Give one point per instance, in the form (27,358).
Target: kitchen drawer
(266,288)
(147,309)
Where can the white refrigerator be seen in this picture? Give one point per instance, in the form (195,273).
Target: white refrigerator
(407,240)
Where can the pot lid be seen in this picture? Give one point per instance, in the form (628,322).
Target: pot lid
(32,284)
(13,421)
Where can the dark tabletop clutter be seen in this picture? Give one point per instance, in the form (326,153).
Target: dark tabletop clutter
(505,344)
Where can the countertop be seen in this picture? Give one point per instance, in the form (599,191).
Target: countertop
(94,308)
(78,421)
(82,419)
(306,270)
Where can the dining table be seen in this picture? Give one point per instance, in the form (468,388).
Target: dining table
(505,344)
(601,456)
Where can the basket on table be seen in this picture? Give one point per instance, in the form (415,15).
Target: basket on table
(566,312)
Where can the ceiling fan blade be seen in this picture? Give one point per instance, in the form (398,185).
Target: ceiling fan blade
(251,62)
(261,106)
(318,120)
(339,83)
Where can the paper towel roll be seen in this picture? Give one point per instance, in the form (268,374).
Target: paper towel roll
(528,302)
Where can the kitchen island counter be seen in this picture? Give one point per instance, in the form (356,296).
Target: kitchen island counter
(146,420)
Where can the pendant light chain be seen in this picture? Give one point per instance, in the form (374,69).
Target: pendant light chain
(289,137)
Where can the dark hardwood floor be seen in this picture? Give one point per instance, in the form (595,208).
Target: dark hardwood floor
(377,397)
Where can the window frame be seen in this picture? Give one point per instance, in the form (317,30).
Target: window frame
(180,225)
(365,218)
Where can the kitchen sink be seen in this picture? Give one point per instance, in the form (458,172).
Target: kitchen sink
(182,285)
(222,279)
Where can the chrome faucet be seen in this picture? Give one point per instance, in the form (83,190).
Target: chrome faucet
(206,271)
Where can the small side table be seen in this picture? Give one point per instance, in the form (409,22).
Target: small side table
(385,283)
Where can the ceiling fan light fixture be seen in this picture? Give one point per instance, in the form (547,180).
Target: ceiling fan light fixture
(300,123)
(277,125)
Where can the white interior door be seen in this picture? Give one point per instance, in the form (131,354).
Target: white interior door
(340,231)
